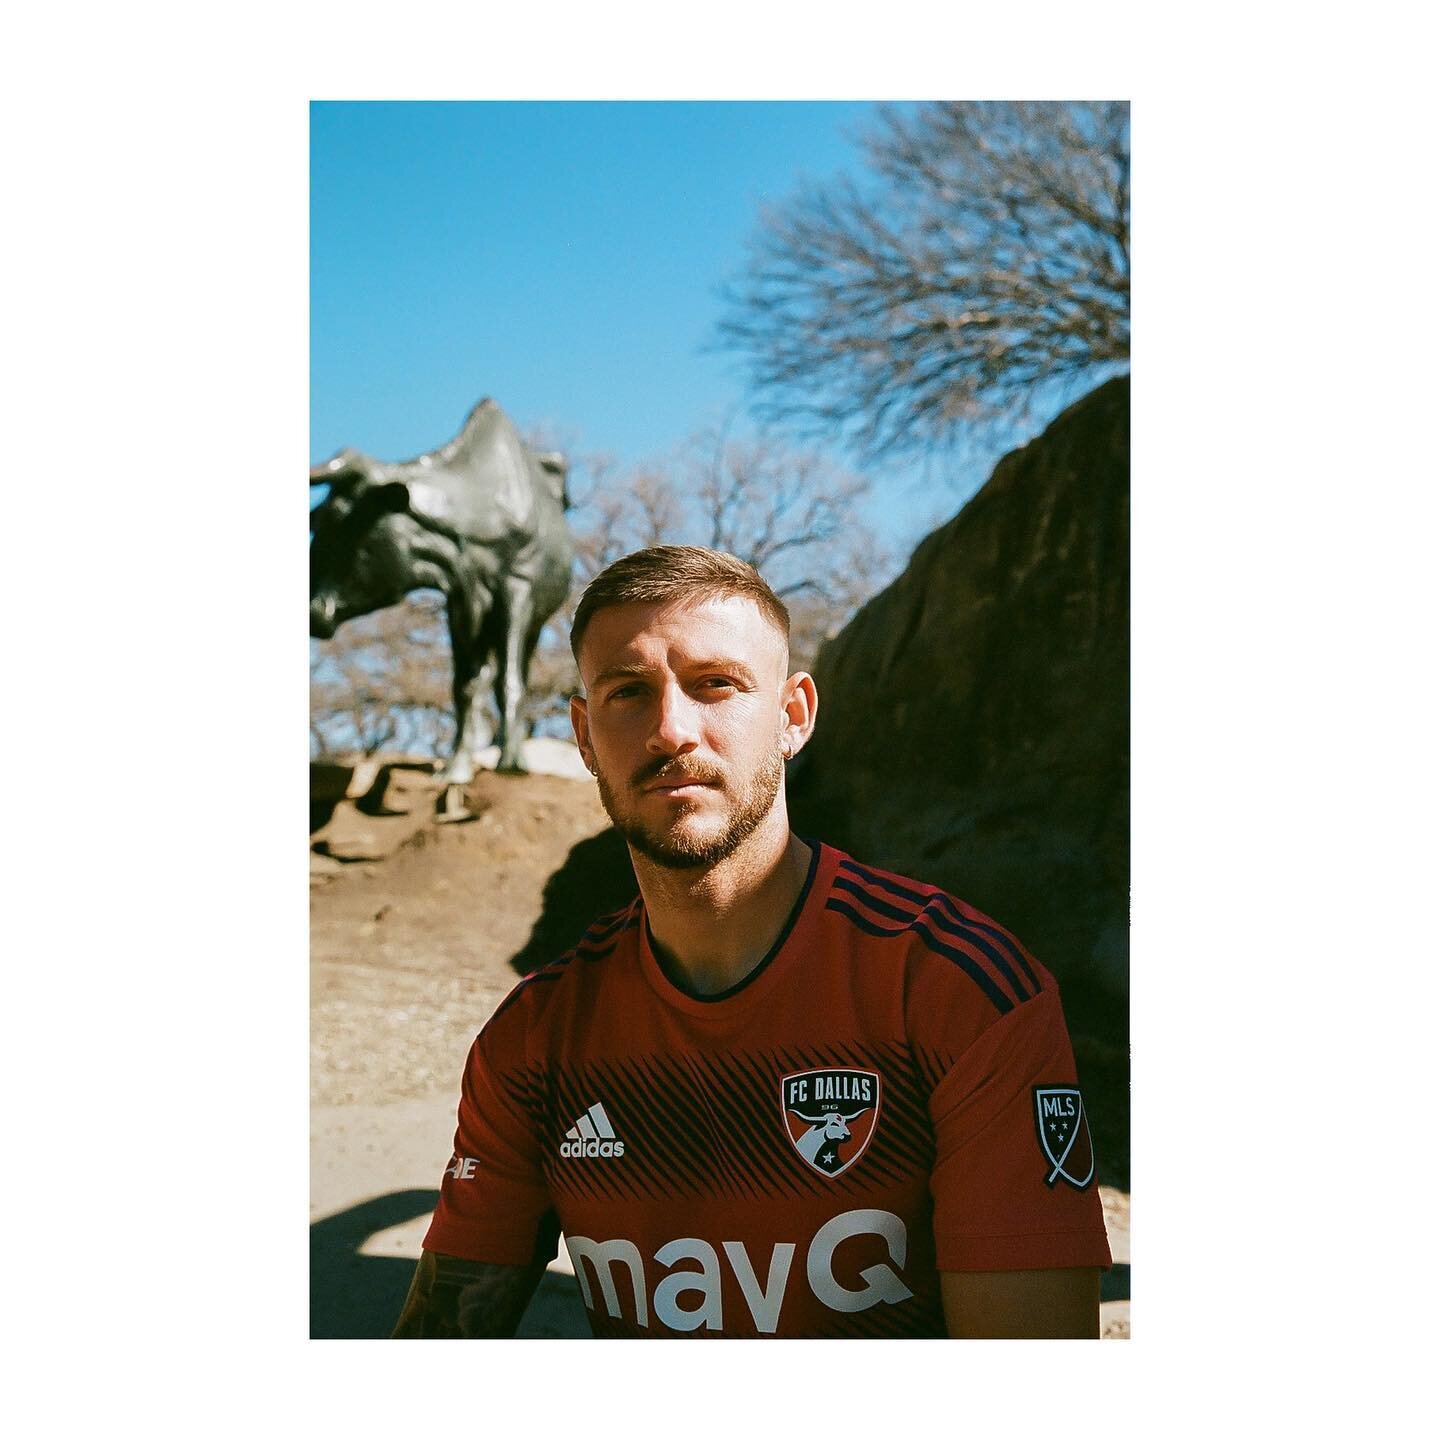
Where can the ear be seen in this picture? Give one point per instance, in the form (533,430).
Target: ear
(800,704)
(580,724)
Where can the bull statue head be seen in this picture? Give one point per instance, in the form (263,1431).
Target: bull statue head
(356,564)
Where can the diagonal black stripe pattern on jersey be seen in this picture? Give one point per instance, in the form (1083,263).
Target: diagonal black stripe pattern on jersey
(948,903)
(721,1133)
(628,1114)
(920,1318)
(909,1127)
(528,1090)
(992,991)
(681,1143)
(766,1124)
(879,1163)
(892,1152)
(931,1065)
(695,1117)
(903,1139)
(605,1175)
(655,1084)
(672,1143)
(752,1090)
(609,1175)
(766,1119)
(649,1141)
(577,1177)
(943,924)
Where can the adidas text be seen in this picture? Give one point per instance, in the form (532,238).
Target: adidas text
(585,1149)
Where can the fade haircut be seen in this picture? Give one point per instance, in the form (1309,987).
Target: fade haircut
(676,573)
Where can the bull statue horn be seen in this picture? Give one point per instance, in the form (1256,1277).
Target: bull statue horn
(344,467)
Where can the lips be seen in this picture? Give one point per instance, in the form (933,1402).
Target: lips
(679,787)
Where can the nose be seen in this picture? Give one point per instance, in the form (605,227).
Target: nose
(676,731)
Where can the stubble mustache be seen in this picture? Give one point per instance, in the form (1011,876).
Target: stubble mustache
(668,772)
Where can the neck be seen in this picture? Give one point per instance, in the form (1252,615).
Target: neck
(710,928)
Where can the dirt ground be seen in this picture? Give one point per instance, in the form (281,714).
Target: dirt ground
(413,928)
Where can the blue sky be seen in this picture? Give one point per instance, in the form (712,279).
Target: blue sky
(564,258)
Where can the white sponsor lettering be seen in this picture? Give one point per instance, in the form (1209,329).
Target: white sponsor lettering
(764,1304)
(882,1284)
(620,1252)
(705,1280)
(461,1168)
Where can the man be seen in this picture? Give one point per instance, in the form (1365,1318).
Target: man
(779,1093)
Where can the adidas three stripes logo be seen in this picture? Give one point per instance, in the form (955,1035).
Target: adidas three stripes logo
(592,1135)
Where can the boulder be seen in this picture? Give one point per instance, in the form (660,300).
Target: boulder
(973,728)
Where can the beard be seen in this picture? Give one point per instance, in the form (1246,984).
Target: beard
(670,843)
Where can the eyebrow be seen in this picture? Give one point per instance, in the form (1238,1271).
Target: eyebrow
(636,670)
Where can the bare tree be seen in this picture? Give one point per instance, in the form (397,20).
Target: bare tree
(383,683)
(788,511)
(985,259)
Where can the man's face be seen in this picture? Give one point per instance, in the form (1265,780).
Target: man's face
(683,719)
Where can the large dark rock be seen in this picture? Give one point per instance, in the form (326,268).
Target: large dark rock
(974,718)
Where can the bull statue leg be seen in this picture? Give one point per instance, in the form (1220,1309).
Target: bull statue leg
(466,656)
(511,672)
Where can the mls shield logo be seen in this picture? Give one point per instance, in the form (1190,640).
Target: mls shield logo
(830,1116)
(1064,1135)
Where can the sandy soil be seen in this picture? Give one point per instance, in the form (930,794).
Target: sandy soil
(413,929)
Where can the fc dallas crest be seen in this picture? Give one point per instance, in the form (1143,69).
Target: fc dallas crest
(830,1116)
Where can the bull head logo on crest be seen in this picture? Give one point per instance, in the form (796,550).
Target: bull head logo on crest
(830,1116)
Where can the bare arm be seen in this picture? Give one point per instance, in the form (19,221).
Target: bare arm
(1022,1304)
(452,1299)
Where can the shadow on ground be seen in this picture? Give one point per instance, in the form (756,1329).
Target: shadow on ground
(355,1296)
(596,878)
(358,1297)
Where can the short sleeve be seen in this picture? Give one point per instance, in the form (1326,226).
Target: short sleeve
(494,1204)
(1014,1178)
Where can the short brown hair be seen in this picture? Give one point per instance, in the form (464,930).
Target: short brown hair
(676,573)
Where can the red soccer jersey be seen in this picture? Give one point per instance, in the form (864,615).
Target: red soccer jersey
(889,1094)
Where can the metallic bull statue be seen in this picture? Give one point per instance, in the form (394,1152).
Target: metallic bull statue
(481,519)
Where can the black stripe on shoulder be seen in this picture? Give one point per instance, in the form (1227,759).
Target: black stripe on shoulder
(612,923)
(552,971)
(997,997)
(590,948)
(977,932)
(599,948)
(946,925)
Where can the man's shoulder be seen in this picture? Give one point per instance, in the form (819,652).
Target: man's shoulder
(557,983)
(965,952)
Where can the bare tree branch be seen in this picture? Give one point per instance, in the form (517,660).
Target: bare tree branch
(987,255)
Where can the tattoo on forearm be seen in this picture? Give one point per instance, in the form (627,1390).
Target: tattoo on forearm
(465,1299)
